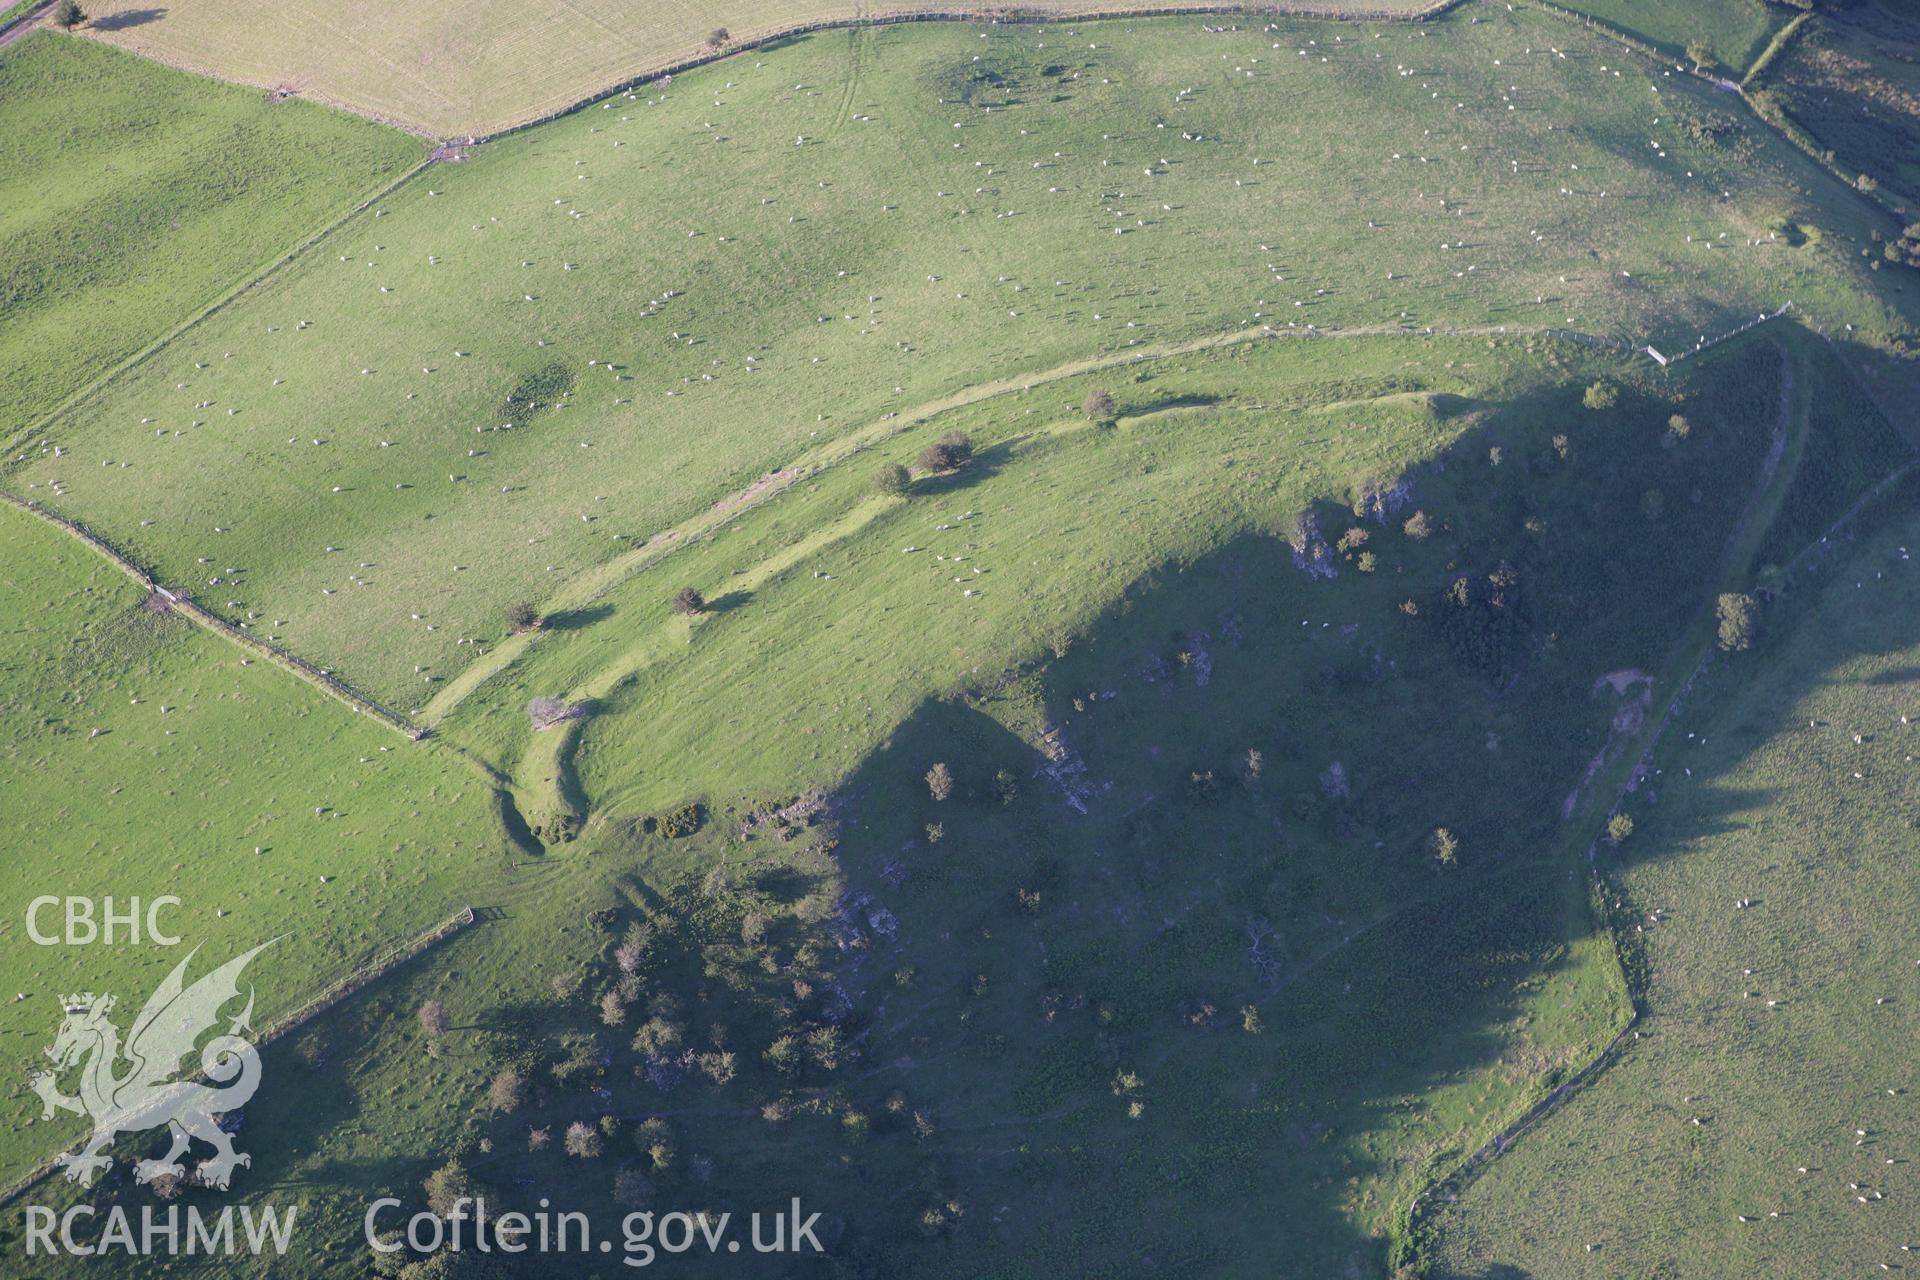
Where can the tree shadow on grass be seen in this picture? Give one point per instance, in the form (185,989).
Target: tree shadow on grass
(575,619)
(983,466)
(127,18)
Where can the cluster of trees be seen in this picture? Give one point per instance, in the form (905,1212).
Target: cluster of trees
(1485,619)
(950,452)
(1738,616)
(1906,249)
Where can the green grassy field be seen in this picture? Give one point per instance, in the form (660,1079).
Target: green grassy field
(163,764)
(1003,979)
(1736,30)
(1279,713)
(1784,1028)
(132,195)
(480,66)
(369,421)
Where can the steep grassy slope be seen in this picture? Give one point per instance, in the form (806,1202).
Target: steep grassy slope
(143,759)
(1785,1028)
(131,196)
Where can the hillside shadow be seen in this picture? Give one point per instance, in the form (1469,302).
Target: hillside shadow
(1121,894)
(1116,880)
(1697,802)
(1225,796)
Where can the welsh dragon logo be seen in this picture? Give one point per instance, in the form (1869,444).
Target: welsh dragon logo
(133,1087)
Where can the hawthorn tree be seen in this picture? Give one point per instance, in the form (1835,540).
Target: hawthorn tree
(950,452)
(447,1186)
(1737,614)
(433,1019)
(892,480)
(507,1090)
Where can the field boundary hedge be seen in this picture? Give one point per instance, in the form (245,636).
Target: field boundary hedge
(330,995)
(1010,16)
(324,681)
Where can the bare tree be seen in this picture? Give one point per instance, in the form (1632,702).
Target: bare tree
(582,1140)
(545,711)
(433,1019)
(940,781)
(507,1091)
(951,451)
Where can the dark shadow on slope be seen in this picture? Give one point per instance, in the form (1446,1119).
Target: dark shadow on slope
(1109,892)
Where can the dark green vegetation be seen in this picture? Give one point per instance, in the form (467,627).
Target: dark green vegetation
(131,195)
(1849,447)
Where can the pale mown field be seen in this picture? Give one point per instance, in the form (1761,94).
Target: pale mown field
(479,66)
